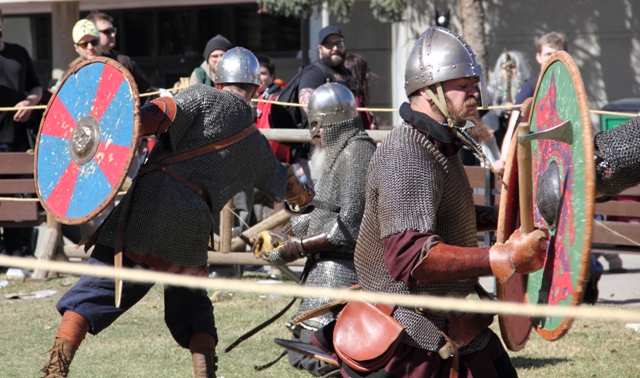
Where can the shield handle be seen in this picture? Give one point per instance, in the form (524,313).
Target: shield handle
(525,184)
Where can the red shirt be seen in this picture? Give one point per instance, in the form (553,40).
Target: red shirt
(283,153)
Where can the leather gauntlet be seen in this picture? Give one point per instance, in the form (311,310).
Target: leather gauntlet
(522,253)
(157,115)
(444,262)
(297,193)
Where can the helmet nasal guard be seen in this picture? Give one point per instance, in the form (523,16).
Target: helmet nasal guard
(437,56)
(331,103)
(238,65)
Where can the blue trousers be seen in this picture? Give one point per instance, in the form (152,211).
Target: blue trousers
(186,310)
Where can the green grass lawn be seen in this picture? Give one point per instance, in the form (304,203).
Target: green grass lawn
(139,344)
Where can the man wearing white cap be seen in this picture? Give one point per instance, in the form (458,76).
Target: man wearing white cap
(86,40)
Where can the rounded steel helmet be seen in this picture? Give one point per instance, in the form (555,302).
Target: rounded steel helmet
(440,55)
(238,65)
(331,103)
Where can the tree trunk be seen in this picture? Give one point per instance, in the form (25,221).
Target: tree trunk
(472,14)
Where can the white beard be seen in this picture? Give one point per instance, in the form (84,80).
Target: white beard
(318,161)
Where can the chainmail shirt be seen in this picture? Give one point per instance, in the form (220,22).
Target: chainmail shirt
(412,186)
(348,150)
(167,219)
(618,158)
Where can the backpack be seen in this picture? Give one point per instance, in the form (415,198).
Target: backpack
(290,117)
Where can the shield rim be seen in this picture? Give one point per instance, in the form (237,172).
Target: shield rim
(588,146)
(135,141)
(506,321)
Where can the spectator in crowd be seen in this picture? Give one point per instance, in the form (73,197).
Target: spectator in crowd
(206,72)
(104,24)
(269,90)
(509,72)
(359,68)
(328,68)
(86,39)
(264,207)
(19,87)
(546,46)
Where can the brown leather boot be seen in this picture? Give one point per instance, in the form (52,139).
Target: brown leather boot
(204,363)
(60,358)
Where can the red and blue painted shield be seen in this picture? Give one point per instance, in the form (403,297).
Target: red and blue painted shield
(87,140)
(563,199)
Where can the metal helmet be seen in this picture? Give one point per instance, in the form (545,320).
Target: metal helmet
(440,55)
(331,103)
(238,65)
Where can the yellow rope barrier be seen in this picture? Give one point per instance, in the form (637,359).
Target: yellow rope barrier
(378,110)
(424,301)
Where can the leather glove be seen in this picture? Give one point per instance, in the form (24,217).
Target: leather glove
(297,193)
(522,253)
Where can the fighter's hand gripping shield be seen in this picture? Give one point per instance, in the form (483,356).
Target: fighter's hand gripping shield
(562,187)
(87,140)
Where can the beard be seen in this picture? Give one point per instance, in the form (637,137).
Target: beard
(318,161)
(480,133)
(333,60)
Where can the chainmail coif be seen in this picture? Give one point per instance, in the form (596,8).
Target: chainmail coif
(412,186)
(618,158)
(169,220)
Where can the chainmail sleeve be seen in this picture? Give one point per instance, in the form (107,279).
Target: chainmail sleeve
(188,106)
(272,179)
(618,158)
(300,224)
(354,159)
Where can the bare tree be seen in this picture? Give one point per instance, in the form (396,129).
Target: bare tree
(472,15)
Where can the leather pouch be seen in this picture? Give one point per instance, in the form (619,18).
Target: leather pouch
(366,336)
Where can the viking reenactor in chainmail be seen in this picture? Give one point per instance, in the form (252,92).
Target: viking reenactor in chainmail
(419,229)
(208,149)
(327,235)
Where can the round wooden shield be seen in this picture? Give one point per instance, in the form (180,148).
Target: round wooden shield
(562,168)
(87,140)
(514,329)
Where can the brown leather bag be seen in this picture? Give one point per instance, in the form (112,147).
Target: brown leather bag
(366,336)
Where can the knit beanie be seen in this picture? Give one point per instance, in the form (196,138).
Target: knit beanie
(216,43)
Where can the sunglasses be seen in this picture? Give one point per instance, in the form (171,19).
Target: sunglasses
(111,30)
(93,42)
(331,45)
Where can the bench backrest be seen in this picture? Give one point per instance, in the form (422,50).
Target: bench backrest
(17,164)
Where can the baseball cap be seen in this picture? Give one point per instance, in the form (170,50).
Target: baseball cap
(83,28)
(327,31)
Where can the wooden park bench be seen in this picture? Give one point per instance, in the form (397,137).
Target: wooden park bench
(609,236)
(13,212)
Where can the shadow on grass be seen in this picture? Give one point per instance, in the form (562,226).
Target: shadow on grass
(530,362)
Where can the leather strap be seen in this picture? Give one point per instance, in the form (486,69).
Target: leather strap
(261,326)
(210,147)
(171,173)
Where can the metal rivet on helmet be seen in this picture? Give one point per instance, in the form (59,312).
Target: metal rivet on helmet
(238,65)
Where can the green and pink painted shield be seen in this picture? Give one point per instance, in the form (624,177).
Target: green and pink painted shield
(87,140)
(560,98)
